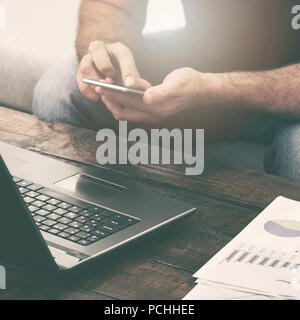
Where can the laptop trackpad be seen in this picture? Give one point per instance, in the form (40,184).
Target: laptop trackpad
(88,187)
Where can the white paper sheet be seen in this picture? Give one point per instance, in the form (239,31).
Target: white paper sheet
(263,259)
(215,292)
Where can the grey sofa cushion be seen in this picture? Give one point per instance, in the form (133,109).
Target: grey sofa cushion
(38,34)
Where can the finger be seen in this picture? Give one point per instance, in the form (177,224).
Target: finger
(128,100)
(114,108)
(121,113)
(99,89)
(157,94)
(86,89)
(102,59)
(160,93)
(87,68)
(142,84)
(109,80)
(126,62)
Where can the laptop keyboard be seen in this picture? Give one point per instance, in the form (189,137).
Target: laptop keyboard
(69,218)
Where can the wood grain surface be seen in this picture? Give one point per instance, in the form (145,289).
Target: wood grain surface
(159,266)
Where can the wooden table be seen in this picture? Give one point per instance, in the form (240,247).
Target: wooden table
(227,199)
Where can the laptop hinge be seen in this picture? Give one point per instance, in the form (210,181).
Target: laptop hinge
(65,258)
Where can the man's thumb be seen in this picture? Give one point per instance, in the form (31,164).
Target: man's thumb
(155,95)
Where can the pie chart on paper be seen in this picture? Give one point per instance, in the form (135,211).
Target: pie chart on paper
(283,228)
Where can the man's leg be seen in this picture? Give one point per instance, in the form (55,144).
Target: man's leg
(282,141)
(282,156)
(57,98)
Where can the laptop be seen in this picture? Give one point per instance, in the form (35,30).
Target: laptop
(56,217)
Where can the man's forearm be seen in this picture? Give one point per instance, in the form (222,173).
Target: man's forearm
(110,21)
(275,92)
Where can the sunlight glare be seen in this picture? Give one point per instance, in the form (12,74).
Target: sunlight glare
(164,15)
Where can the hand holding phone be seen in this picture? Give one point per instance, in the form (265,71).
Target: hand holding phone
(104,61)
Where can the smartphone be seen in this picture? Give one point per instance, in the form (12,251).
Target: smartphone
(114,87)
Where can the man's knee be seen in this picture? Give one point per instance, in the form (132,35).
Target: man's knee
(52,99)
(46,104)
(282,157)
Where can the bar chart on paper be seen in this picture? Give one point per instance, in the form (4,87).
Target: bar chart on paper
(262,257)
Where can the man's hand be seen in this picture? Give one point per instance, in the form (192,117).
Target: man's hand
(182,89)
(113,63)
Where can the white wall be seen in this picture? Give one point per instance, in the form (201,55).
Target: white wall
(164,15)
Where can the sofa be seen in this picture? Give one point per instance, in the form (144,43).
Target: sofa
(39,34)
